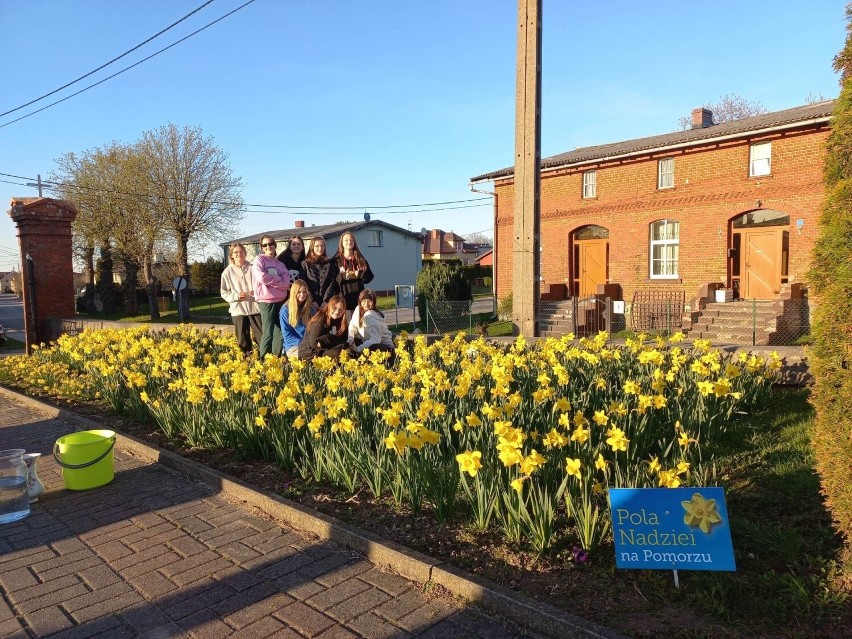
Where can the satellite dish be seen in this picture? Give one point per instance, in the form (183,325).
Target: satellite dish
(366,216)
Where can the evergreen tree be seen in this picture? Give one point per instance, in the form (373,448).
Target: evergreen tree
(830,281)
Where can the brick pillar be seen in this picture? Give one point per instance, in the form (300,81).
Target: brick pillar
(44,233)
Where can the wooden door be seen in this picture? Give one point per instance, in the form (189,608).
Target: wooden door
(591,265)
(761,263)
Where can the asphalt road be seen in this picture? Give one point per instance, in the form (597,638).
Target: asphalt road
(12,316)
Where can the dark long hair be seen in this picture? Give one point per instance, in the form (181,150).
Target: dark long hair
(288,252)
(324,315)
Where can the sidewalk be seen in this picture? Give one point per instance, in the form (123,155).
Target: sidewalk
(157,554)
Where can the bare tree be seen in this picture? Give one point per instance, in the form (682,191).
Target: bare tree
(193,187)
(479,237)
(108,187)
(729,107)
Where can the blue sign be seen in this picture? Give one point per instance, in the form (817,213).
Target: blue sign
(671,529)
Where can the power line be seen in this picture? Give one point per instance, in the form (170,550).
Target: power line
(290,209)
(135,64)
(82,77)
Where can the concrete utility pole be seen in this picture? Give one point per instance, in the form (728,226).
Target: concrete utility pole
(525,251)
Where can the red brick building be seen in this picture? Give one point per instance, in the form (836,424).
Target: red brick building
(733,205)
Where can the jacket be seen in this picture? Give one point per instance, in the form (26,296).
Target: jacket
(271,279)
(351,286)
(236,280)
(318,339)
(322,280)
(292,334)
(374,331)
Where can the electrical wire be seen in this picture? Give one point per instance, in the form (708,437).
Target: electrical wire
(135,64)
(290,209)
(116,59)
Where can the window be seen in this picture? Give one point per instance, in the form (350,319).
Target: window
(665,174)
(590,183)
(375,239)
(664,249)
(760,162)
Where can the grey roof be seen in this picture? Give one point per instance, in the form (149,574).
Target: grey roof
(324,230)
(744,127)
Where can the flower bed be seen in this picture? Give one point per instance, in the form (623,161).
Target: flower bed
(522,438)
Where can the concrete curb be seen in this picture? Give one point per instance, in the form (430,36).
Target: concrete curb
(527,612)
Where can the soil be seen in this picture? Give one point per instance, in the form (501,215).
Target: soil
(641,604)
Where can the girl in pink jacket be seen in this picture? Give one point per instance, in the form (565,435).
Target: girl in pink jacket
(271,285)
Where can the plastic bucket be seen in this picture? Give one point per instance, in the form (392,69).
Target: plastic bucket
(86,458)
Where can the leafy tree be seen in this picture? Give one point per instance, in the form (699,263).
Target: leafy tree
(193,188)
(830,281)
(729,107)
(207,275)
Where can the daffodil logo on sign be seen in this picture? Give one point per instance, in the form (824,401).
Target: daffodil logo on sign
(700,512)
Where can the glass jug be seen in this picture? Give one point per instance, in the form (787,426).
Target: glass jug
(14,499)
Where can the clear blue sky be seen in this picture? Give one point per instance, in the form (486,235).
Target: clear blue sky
(380,102)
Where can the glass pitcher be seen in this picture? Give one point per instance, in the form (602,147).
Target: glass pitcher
(14,499)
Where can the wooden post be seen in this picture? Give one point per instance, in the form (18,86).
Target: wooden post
(525,250)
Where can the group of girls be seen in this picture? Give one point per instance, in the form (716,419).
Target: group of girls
(303,303)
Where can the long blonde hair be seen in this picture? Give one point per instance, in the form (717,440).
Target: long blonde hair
(299,312)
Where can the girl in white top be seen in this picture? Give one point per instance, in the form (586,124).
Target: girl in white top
(367,329)
(237,289)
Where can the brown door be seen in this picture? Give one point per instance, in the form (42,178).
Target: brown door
(591,265)
(761,263)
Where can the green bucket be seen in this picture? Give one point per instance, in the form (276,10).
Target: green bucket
(86,458)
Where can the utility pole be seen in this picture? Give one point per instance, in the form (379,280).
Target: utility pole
(525,251)
(39,184)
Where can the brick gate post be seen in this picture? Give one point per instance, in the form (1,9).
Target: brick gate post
(44,234)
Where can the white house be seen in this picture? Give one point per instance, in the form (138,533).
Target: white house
(394,253)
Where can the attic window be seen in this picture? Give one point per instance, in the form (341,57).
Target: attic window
(590,184)
(375,239)
(760,162)
(665,174)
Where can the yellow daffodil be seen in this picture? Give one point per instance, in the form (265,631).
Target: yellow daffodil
(572,467)
(469,462)
(700,512)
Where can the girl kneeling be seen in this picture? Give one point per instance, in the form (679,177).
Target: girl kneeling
(367,330)
(325,335)
(295,315)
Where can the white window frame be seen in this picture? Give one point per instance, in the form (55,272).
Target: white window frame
(375,238)
(590,185)
(670,261)
(665,173)
(760,159)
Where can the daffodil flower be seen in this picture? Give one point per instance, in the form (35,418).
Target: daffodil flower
(700,512)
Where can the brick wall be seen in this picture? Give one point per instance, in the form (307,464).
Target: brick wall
(711,187)
(44,232)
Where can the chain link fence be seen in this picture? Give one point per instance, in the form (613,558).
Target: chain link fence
(746,322)
(474,317)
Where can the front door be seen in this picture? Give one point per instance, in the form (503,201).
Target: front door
(761,263)
(591,265)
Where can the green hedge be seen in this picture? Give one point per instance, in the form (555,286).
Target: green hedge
(831,285)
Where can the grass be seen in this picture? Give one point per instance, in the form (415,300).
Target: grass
(786,549)
(13,344)
(202,308)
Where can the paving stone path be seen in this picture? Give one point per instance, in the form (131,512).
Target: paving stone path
(156,554)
